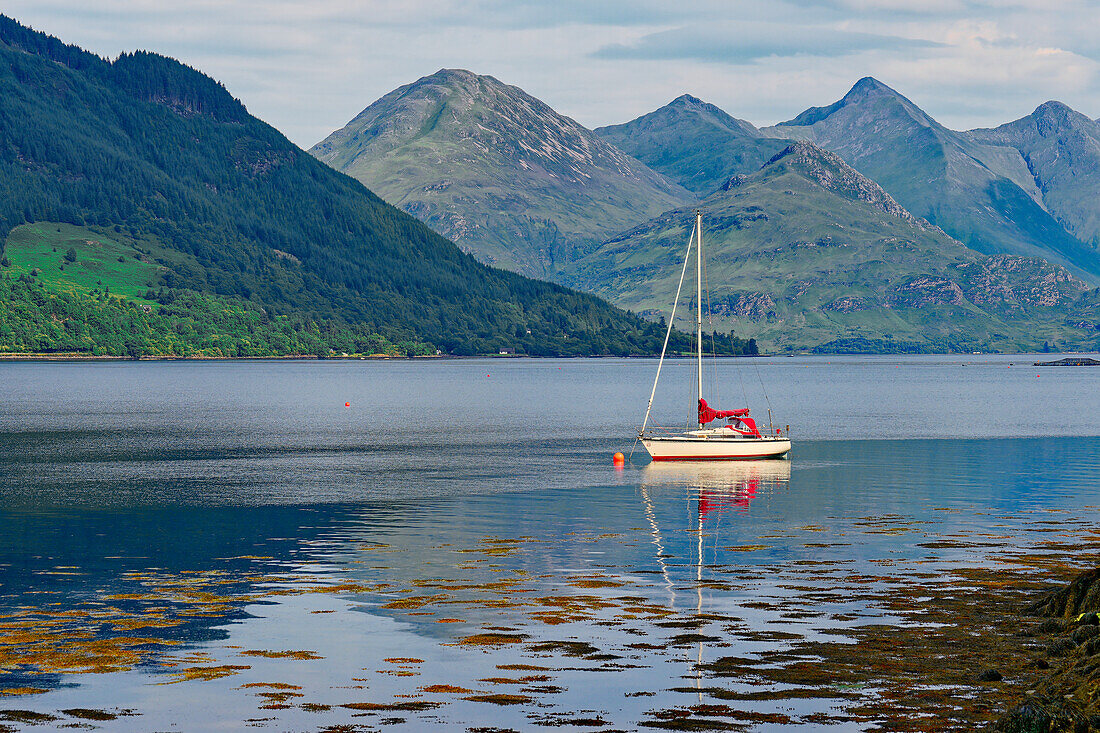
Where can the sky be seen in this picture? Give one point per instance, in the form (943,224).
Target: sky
(307,67)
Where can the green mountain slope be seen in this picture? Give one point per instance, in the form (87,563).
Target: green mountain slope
(155,152)
(496,170)
(694,143)
(808,253)
(1061,148)
(984,195)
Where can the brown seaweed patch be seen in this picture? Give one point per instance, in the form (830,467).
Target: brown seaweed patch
(144,623)
(410,706)
(403,660)
(673,720)
(279,697)
(568,648)
(270,685)
(524,668)
(302,654)
(205,674)
(789,693)
(563,719)
(491,639)
(90,714)
(500,699)
(413,602)
(691,638)
(453,689)
(22,691)
(705,717)
(597,581)
(27,716)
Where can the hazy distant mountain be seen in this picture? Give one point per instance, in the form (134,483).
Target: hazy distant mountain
(982,194)
(694,143)
(806,252)
(496,170)
(1061,148)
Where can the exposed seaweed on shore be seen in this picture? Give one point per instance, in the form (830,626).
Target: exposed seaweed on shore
(923,643)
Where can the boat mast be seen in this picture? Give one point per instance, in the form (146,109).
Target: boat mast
(699,306)
(668,332)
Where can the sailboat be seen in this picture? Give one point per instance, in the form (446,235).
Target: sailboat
(740,438)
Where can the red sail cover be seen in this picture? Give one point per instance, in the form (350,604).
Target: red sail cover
(709,414)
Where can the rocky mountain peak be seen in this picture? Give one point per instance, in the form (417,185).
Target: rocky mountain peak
(830,171)
(1052,116)
(496,169)
(483,115)
(455,76)
(868,86)
(687,100)
(1053,108)
(868,99)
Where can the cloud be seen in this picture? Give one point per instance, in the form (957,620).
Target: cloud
(308,66)
(745,42)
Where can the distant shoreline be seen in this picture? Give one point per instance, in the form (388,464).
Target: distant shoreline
(73,357)
(309,357)
(295,357)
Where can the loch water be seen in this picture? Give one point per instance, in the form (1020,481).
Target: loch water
(214,545)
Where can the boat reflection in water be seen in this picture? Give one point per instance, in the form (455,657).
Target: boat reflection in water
(722,486)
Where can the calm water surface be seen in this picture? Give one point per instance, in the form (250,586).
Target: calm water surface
(204,546)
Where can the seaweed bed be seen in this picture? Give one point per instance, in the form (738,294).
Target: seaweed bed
(1068,698)
(949,639)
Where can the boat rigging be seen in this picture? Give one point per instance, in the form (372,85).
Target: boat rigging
(740,438)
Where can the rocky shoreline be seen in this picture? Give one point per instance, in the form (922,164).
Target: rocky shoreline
(1068,698)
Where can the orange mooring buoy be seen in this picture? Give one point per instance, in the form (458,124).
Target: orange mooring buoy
(347,404)
(618,459)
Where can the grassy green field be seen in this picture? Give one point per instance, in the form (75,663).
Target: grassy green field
(104,263)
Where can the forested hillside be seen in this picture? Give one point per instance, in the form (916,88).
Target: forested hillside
(156,151)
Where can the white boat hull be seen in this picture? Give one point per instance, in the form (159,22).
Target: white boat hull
(707,448)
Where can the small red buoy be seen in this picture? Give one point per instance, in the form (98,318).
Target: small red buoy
(347,404)
(618,459)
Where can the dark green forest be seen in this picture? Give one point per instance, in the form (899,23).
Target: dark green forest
(159,151)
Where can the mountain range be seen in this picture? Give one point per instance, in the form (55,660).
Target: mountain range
(806,251)
(144,210)
(982,193)
(1008,201)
